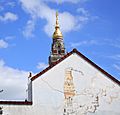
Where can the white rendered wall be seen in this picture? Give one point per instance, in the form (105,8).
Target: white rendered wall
(90,84)
(48,89)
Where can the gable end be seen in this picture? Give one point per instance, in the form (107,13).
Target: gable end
(83,57)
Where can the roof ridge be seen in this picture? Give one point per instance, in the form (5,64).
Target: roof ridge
(85,58)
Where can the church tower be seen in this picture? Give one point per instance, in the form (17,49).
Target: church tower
(57,48)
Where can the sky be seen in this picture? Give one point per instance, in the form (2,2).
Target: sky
(26,28)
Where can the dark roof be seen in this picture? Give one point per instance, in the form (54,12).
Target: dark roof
(82,56)
(15,103)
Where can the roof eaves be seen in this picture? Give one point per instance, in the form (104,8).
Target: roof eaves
(15,103)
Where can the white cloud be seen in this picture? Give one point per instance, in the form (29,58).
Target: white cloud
(10,37)
(9,16)
(116,67)
(63,1)
(113,42)
(39,10)
(82,11)
(41,65)
(64,18)
(28,30)
(11,4)
(83,43)
(115,57)
(3,44)
(1,8)
(13,82)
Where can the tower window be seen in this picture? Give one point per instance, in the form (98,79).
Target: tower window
(54,51)
(59,50)
(62,51)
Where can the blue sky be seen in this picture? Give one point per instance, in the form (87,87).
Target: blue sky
(26,28)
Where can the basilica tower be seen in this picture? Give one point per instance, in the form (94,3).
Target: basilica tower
(57,48)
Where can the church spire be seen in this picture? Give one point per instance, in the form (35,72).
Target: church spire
(57,33)
(57,49)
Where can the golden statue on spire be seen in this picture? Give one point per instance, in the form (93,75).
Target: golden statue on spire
(57,33)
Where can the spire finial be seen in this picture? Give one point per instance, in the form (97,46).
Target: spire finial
(57,23)
(57,33)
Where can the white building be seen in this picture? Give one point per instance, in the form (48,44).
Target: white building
(71,85)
